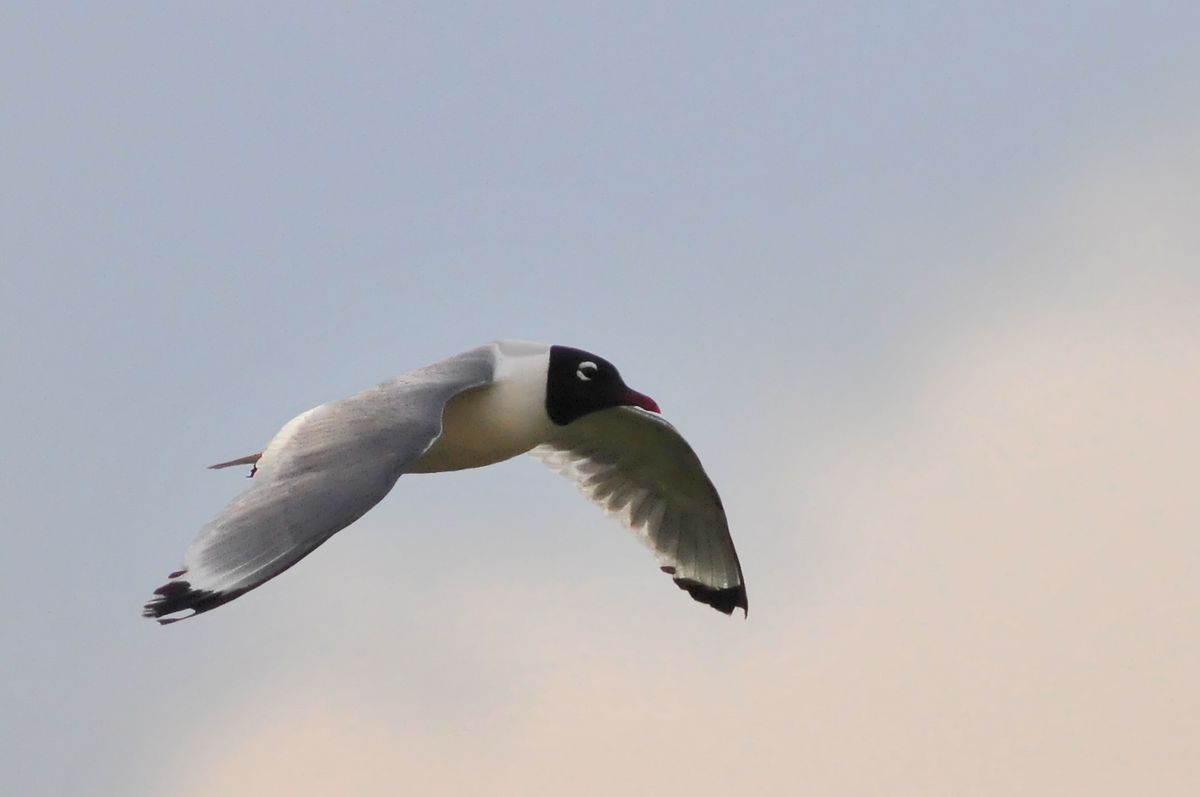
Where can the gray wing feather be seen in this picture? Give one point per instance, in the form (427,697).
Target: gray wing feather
(634,464)
(324,470)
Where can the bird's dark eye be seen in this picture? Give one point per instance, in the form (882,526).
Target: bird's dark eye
(586,370)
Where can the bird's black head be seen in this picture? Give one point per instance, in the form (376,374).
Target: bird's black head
(579,382)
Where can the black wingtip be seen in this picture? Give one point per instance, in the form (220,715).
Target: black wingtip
(179,596)
(723,599)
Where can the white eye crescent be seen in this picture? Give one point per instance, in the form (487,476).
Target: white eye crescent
(586,370)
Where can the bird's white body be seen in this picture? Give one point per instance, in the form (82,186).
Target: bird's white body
(496,421)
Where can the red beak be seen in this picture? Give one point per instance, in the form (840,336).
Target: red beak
(636,399)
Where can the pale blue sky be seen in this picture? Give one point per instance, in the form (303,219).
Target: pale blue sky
(778,220)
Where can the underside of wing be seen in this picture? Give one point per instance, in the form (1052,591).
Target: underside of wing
(634,464)
(323,471)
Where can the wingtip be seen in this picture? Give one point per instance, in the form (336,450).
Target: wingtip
(723,599)
(179,596)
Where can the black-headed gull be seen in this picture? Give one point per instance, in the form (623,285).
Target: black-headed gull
(328,466)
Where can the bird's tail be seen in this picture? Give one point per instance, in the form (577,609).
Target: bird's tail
(249,459)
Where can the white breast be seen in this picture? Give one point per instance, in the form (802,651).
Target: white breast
(496,421)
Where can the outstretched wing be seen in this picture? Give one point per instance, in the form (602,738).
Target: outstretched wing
(635,464)
(319,474)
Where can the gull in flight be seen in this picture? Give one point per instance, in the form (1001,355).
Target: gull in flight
(328,466)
